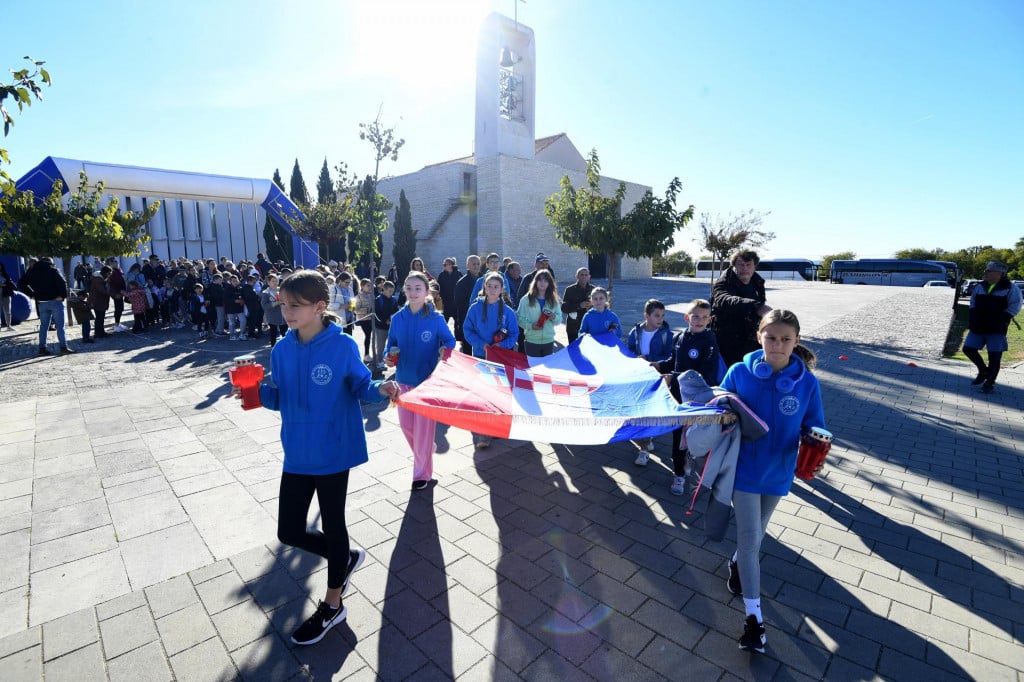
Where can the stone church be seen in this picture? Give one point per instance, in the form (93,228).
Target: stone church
(494,199)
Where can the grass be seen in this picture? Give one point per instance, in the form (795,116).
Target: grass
(958,330)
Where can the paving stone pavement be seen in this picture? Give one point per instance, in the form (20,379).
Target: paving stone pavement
(138,506)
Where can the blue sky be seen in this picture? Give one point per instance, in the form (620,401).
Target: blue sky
(865,126)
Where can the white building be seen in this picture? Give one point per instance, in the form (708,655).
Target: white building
(200,215)
(494,199)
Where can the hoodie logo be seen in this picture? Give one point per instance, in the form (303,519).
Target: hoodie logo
(789,405)
(693,353)
(426,336)
(321,375)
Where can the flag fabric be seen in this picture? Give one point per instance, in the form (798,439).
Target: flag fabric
(593,391)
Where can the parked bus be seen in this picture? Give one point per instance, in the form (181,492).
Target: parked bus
(893,272)
(777,268)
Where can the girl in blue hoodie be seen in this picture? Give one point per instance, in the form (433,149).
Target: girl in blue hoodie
(777,384)
(420,335)
(318,381)
(489,322)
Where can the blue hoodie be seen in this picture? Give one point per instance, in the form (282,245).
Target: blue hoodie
(419,339)
(479,332)
(317,388)
(789,402)
(661,342)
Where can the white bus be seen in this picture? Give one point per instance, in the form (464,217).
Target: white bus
(776,268)
(892,272)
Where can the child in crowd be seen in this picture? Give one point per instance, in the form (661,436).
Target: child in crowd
(490,322)
(600,318)
(693,348)
(384,307)
(652,341)
(251,297)
(318,460)
(348,297)
(776,382)
(539,312)
(215,294)
(234,309)
(418,334)
(270,299)
(364,315)
(136,295)
(199,311)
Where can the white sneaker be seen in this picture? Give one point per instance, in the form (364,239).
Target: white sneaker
(678,485)
(641,458)
(120,328)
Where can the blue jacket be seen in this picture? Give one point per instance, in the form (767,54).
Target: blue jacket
(599,322)
(419,339)
(383,308)
(694,351)
(317,388)
(480,333)
(789,402)
(661,344)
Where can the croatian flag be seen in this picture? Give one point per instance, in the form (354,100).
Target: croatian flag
(594,391)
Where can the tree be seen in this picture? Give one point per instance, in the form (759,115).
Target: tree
(277,239)
(826,262)
(371,219)
(52,227)
(278,181)
(404,249)
(675,263)
(324,186)
(586,219)
(22,88)
(297,192)
(723,236)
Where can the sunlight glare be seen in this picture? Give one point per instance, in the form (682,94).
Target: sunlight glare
(422,47)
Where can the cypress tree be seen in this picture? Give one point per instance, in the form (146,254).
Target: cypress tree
(404,249)
(324,186)
(298,191)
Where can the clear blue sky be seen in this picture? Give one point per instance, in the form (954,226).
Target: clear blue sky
(868,126)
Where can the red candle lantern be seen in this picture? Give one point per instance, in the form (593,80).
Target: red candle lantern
(814,445)
(247,375)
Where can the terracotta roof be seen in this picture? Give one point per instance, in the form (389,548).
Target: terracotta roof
(539,145)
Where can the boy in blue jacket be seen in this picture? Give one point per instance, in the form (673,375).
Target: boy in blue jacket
(652,341)
(384,307)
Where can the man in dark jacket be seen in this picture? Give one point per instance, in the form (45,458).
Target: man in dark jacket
(995,300)
(737,306)
(47,286)
(446,281)
(576,303)
(463,290)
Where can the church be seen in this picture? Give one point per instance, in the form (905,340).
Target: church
(493,200)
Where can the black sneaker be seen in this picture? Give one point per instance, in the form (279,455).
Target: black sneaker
(64,350)
(314,629)
(420,485)
(980,379)
(753,638)
(733,583)
(45,351)
(989,387)
(356,557)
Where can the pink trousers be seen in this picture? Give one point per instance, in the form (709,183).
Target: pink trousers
(419,433)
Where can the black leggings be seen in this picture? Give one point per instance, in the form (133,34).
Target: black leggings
(367,327)
(293,506)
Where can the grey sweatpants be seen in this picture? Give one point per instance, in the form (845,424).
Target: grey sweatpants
(753,511)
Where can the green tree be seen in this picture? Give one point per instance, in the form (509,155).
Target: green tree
(826,262)
(404,248)
(324,186)
(24,85)
(297,191)
(278,181)
(371,220)
(921,254)
(674,263)
(586,219)
(66,228)
(721,237)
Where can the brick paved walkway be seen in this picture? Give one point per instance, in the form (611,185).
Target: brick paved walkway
(138,505)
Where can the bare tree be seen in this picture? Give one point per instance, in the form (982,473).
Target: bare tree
(722,236)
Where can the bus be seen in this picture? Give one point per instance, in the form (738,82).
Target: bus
(895,272)
(777,268)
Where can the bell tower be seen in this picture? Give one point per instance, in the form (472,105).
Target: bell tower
(506,86)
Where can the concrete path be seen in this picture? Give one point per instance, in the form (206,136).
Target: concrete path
(138,506)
